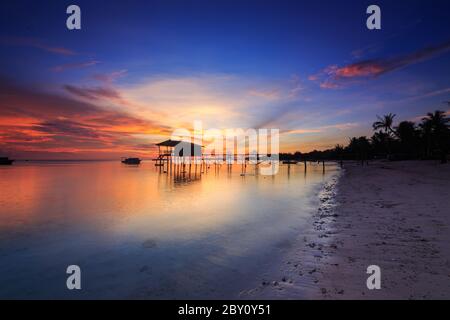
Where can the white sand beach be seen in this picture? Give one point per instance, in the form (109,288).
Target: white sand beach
(392,214)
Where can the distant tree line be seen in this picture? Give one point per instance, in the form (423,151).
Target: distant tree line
(429,139)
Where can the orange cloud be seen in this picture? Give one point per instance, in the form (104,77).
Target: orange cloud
(33,124)
(266,94)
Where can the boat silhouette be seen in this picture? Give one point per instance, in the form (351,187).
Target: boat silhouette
(5,161)
(131,160)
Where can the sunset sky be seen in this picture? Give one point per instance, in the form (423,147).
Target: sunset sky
(137,70)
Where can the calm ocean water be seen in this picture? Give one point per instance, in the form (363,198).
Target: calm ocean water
(137,233)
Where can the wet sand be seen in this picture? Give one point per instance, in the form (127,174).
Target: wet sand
(392,214)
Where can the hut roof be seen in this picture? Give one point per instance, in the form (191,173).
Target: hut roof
(174,143)
(168,143)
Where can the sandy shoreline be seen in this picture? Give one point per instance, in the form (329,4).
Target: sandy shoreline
(392,214)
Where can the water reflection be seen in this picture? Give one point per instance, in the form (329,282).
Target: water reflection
(138,232)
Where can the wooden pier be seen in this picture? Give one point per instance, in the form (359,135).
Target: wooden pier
(185,161)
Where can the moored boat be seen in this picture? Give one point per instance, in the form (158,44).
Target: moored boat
(131,160)
(5,161)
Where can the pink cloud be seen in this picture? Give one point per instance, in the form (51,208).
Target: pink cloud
(93,92)
(266,94)
(35,43)
(75,65)
(334,76)
(338,126)
(110,77)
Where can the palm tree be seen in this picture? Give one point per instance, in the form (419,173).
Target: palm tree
(385,123)
(425,131)
(407,133)
(380,142)
(438,120)
(435,127)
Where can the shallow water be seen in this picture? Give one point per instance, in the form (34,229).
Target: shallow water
(139,233)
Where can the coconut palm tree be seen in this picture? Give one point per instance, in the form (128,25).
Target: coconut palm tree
(385,123)
(380,142)
(425,132)
(436,128)
(437,120)
(409,137)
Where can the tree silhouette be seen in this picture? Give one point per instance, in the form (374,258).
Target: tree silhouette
(385,123)
(437,133)
(408,137)
(430,139)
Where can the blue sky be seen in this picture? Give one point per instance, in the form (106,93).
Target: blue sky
(309,68)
